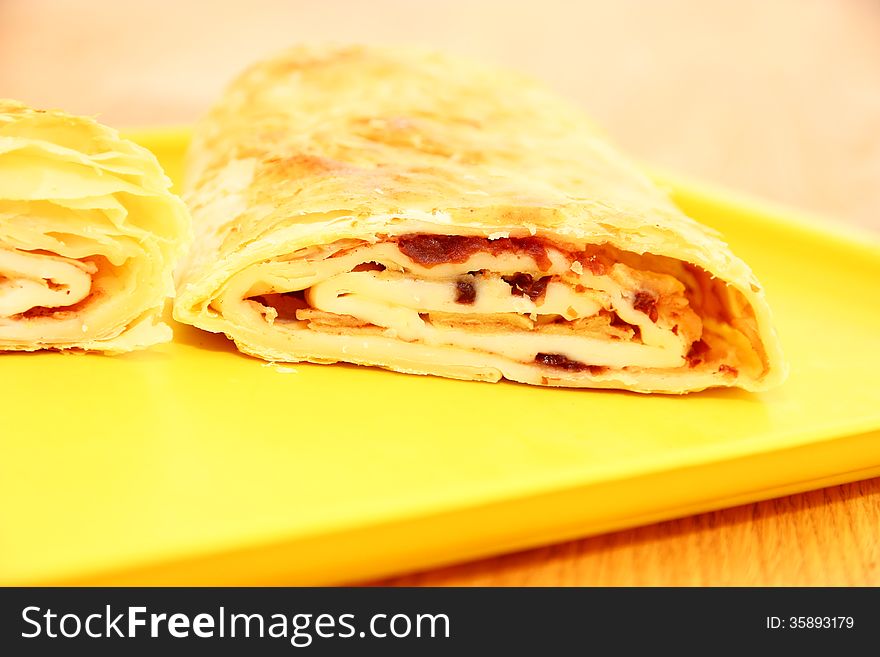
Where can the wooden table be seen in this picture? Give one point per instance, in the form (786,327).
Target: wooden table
(777,98)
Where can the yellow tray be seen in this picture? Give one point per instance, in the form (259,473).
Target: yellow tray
(193,464)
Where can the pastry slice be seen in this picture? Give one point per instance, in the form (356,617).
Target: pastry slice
(89,235)
(425,214)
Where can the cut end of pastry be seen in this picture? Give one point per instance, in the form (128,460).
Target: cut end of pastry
(524,308)
(89,235)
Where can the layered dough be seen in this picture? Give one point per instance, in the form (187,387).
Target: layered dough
(560,317)
(89,235)
(423,214)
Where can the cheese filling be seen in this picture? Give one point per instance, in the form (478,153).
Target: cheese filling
(572,314)
(31,280)
(51,299)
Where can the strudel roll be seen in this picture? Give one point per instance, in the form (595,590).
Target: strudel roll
(425,214)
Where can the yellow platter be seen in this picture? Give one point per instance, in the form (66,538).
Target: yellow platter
(194,464)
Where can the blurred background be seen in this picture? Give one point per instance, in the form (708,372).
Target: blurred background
(780,98)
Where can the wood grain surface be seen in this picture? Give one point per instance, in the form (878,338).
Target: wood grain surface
(779,98)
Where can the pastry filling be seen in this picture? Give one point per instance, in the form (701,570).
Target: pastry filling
(572,313)
(41,283)
(48,298)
